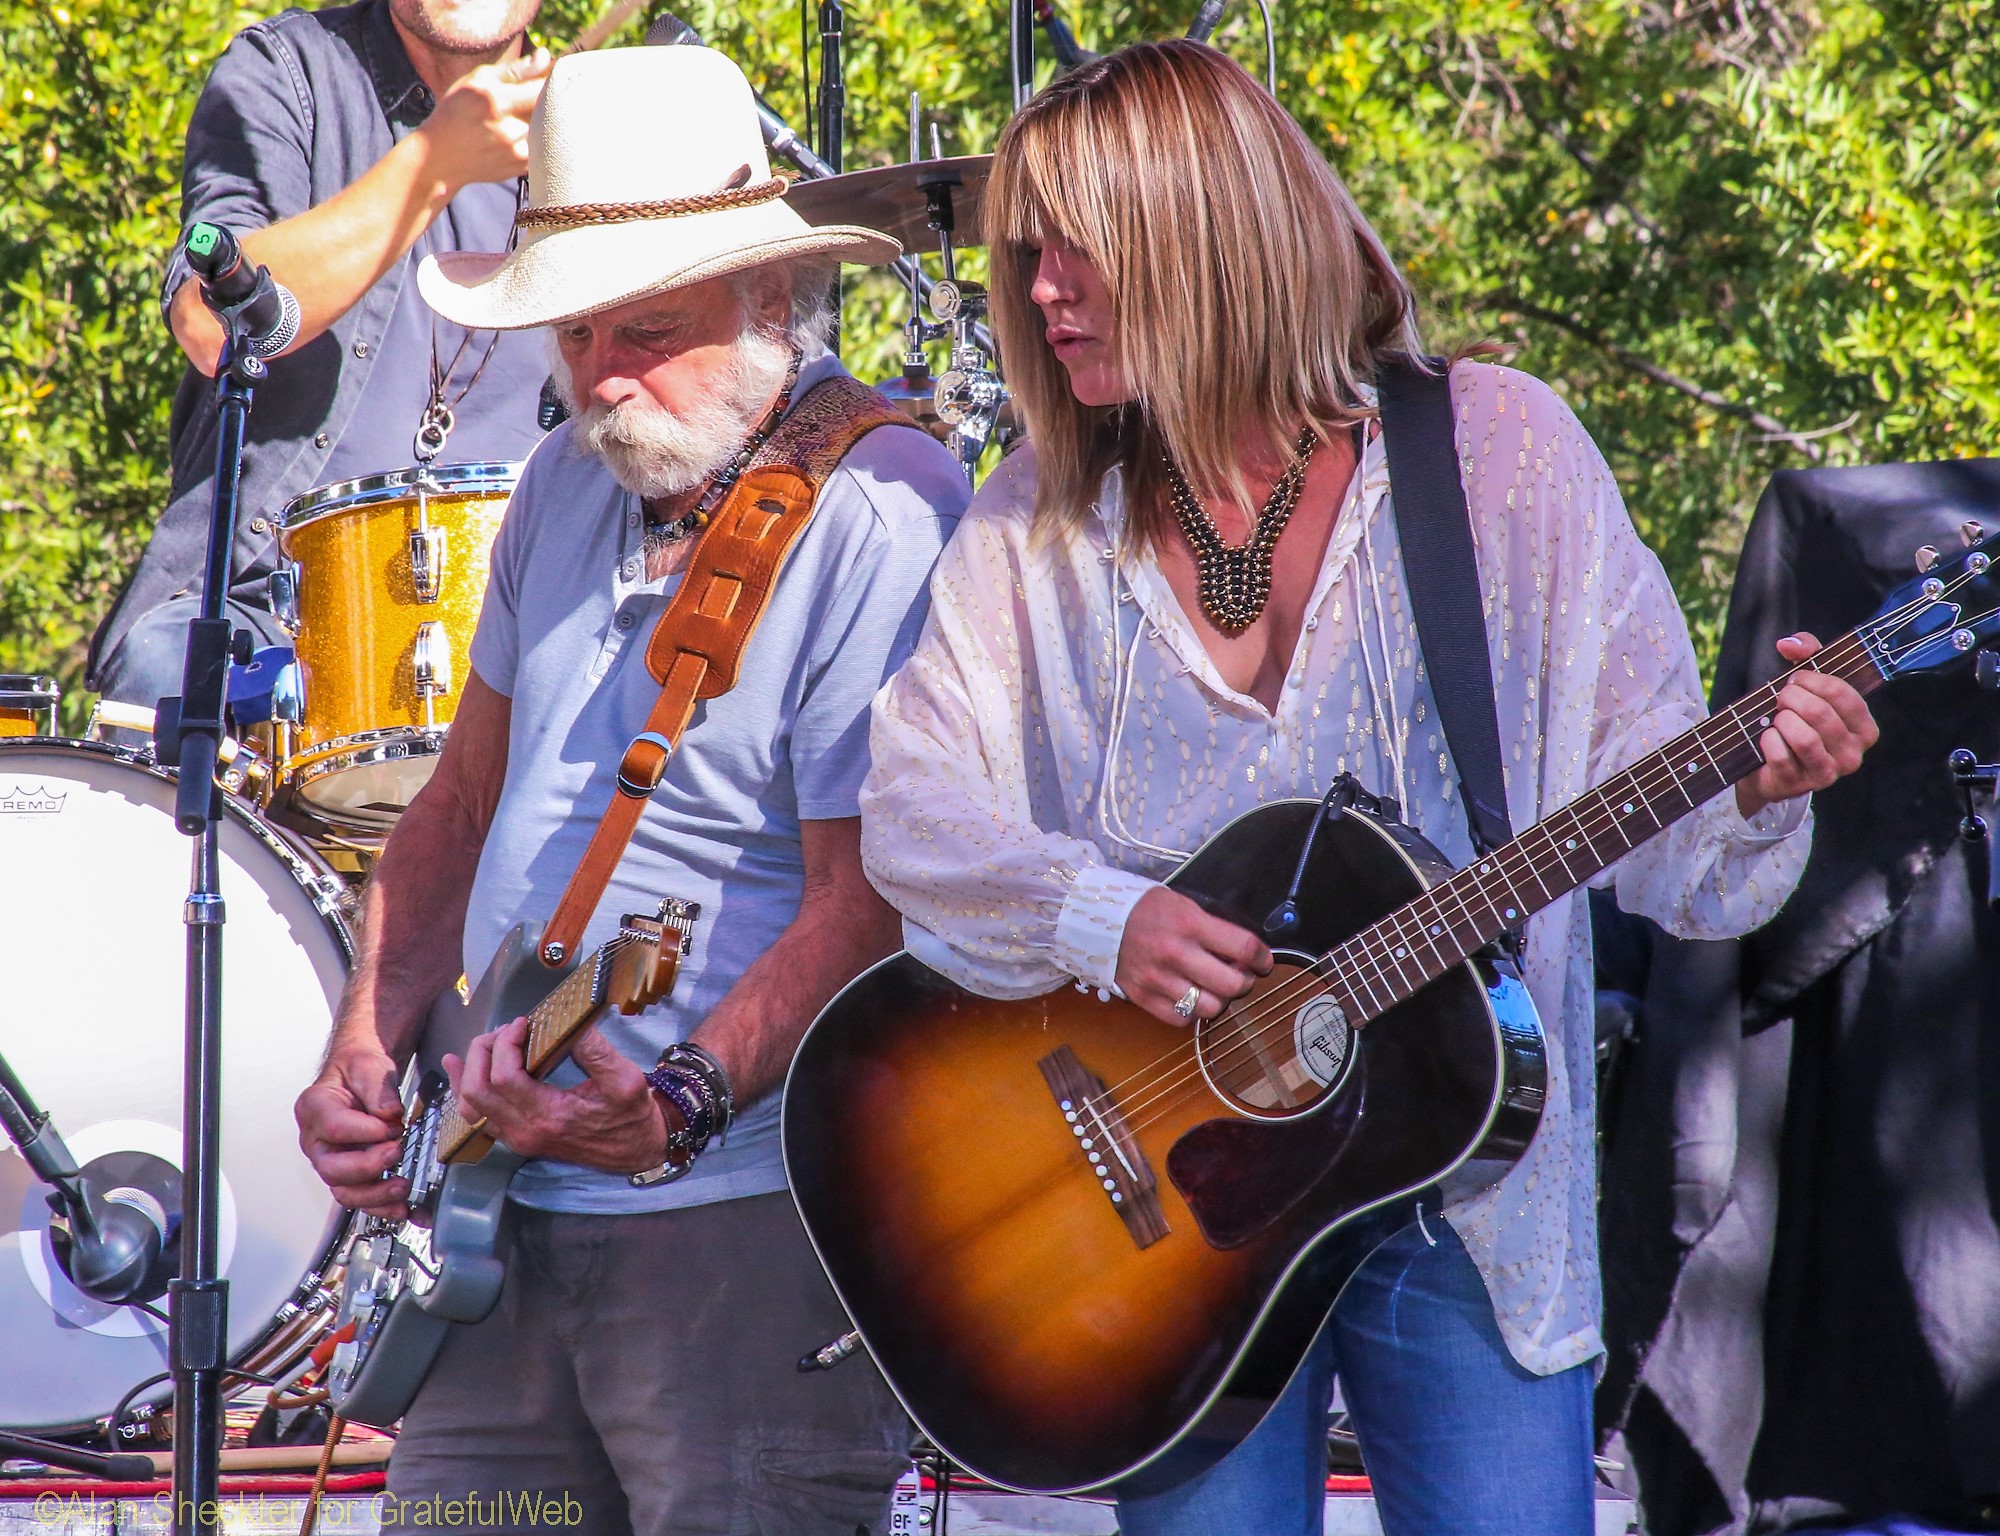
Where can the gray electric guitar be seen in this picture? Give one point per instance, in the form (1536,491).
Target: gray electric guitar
(409,1282)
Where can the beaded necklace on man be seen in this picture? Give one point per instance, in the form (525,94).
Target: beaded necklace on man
(1234,580)
(662,535)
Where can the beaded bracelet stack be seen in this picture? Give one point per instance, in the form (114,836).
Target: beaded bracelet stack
(694,1083)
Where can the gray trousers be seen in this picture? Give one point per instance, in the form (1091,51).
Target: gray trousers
(639,1378)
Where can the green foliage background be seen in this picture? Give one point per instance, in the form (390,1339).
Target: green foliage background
(1738,235)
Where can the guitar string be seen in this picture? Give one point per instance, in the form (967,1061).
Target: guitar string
(1251,1032)
(537,1018)
(1277,1005)
(1144,1079)
(1511,863)
(1266,1023)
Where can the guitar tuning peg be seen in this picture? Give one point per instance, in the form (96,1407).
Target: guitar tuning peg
(1971,532)
(1927,556)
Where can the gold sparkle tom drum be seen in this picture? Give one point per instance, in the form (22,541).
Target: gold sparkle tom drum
(380,587)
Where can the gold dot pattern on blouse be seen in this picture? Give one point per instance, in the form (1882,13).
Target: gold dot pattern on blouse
(1060,739)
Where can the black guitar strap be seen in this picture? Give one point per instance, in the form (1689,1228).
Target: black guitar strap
(1435,532)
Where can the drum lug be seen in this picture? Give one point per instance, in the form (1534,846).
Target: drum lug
(288,694)
(430,660)
(427,557)
(329,894)
(282,585)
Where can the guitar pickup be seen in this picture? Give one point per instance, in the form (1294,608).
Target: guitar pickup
(1106,1145)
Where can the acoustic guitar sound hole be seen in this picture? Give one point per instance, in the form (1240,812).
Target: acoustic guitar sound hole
(1281,1048)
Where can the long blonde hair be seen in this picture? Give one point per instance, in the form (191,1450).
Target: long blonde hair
(1248,291)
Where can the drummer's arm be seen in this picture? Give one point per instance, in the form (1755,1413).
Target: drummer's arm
(330,255)
(408,952)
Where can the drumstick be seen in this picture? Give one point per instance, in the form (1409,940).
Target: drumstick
(614,17)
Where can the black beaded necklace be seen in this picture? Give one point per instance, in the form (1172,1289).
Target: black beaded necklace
(1234,580)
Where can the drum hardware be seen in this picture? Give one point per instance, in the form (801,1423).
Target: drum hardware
(281,590)
(1021,50)
(386,577)
(430,665)
(78,819)
(427,543)
(426,553)
(922,202)
(28,704)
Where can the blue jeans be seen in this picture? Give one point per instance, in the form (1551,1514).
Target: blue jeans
(1458,1437)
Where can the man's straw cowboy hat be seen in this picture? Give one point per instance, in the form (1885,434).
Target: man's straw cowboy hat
(646,172)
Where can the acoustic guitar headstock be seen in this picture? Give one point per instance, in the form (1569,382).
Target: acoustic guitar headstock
(645,965)
(1951,609)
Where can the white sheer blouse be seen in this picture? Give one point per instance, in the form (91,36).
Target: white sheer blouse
(1060,740)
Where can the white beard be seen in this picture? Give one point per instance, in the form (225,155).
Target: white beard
(653,452)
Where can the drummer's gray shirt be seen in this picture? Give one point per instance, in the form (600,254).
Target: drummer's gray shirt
(564,634)
(299,107)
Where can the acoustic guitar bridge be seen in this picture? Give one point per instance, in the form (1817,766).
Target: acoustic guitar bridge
(1106,1145)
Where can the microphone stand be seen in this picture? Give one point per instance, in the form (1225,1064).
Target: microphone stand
(188,734)
(1021,50)
(832,116)
(832,86)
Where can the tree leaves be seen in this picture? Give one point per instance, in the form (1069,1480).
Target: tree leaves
(1706,221)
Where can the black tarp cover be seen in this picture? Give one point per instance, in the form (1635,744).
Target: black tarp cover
(1801,1233)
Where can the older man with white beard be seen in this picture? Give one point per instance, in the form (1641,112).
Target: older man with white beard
(638,1372)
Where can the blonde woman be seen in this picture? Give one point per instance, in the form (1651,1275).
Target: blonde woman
(1191,310)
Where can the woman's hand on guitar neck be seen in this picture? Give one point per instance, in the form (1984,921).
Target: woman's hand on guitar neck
(1171,944)
(610,1120)
(1818,733)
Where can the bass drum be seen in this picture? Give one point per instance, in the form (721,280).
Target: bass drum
(95,876)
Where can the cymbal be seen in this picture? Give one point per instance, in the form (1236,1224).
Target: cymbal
(892,198)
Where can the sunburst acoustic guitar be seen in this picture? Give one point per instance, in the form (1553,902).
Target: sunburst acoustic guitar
(1086,1248)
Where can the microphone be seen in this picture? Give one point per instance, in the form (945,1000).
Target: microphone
(114,1226)
(668,30)
(1205,19)
(264,311)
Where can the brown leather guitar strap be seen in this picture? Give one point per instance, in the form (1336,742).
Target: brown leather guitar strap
(699,641)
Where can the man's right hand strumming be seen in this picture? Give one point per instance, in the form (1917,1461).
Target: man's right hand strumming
(351,1127)
(406,955)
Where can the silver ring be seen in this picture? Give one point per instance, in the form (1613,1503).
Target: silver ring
(1186,1006)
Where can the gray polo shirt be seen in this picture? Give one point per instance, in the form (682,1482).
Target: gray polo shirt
(563,634)
(298,107)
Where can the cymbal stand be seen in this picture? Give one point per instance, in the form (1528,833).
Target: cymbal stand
(969,393)
(780,139)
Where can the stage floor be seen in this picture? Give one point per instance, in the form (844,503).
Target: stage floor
(969,1514)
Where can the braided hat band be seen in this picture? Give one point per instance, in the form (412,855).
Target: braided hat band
(568,214)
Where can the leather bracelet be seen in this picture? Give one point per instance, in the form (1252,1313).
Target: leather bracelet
(695,1084)
(701,1061)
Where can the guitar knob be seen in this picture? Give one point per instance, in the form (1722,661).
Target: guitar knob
(1927,556)
(1971,532)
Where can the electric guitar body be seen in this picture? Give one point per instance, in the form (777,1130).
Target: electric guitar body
(409,1283)
(1085,1253)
